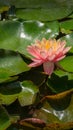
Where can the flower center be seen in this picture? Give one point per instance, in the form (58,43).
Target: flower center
(47,44)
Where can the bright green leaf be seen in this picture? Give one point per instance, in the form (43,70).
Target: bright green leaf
(61,73)
(17,36)
(67,63)
(69,40)
(68,25)
(49,14)
(51,9)
(11,64)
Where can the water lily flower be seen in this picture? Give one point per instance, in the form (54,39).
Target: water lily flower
(47,52)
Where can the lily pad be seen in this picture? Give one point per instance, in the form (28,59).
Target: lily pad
(32,74)
(58,84)
(69,40)
(11,64)
(67,63)
(51,9)
(49,14)
(25,92)
(28,94)
(17,35)
(57,111)
(5,121)
(61,73)
(37,3)
(68,24)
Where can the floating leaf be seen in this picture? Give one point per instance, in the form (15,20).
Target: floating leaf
(11,64)
(4,119)
(69,40)
(25,92)
(5,79)
(28,94)
(30,9)
(67,63)
(70,16)
(67,25)
(58,84)
(32,74)
(61,73)
(57,111)
(51,9)
(17,36)
(49,14)
(37,3)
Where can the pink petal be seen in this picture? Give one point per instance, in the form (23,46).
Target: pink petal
(66,50)
(51,58)
(48,67)
(59,58)
(35,63)
(59,50)
(33,51)
(37,60)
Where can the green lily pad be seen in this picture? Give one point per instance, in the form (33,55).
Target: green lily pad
(69,40)
(71,16)
(49,14)
(5,78)
(37,3)
(60,81)
(17,36)
(51,9)
(28,94)
(67,63)
(61,73)
(4,119)
(68,24)
(25,92)
(11,64)
(30,9)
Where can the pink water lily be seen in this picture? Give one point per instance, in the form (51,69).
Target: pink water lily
(47,52)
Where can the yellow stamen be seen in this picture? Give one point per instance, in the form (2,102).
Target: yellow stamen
(47,44)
